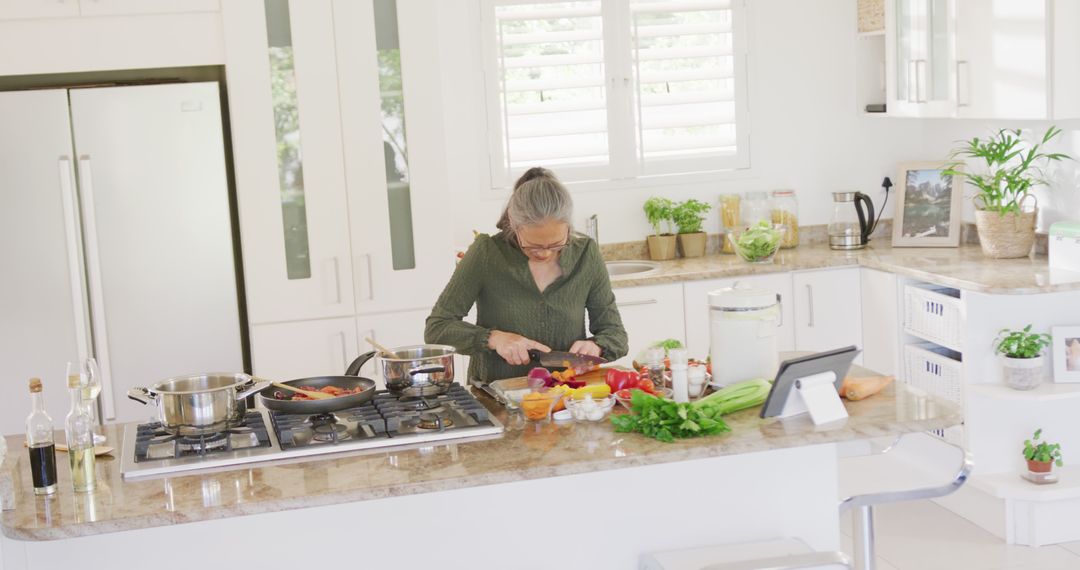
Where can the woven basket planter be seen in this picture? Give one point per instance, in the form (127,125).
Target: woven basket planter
(1005,236)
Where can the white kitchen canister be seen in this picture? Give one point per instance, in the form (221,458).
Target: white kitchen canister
(742,331)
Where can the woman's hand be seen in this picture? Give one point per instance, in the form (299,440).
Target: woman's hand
(514,348)
(586,347)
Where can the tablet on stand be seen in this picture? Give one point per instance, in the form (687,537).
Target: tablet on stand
(811,384)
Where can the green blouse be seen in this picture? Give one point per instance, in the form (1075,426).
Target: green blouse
(495,275)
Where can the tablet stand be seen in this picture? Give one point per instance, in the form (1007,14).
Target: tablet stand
(815,394)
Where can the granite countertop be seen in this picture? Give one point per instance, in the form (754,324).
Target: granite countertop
(529,451)
(964,268)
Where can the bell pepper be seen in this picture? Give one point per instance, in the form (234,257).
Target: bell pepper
(622,379)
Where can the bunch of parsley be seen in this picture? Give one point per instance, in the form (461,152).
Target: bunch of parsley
(666,420)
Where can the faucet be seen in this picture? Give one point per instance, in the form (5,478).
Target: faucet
(591,228)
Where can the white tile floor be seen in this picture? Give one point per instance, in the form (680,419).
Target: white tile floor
(924,536)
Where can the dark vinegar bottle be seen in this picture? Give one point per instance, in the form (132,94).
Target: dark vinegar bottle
(39,439)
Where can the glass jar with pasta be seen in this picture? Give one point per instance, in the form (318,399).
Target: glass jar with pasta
(785,212)
(729,219)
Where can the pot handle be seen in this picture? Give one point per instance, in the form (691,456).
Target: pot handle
(427,370)
(256,387)
(354,368)
(140,395)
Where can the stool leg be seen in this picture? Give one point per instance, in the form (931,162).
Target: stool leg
(863,517)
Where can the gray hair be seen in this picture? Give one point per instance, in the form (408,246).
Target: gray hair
(538,196)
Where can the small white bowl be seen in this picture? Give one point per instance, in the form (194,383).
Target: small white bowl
(582,412)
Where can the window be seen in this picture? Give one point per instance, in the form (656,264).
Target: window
(615,89)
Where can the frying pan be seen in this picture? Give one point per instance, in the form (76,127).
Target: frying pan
(312,407)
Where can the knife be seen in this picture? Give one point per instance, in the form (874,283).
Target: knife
(581,363)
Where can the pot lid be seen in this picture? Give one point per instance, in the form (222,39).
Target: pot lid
(742,297)
(1065,229)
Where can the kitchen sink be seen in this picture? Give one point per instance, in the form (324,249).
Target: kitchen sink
(631,268)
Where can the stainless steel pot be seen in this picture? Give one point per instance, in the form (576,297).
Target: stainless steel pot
(200,403)
(417,370)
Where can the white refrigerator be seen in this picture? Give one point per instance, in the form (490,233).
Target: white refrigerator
(115,241)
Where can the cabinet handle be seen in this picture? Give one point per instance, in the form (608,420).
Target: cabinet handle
(338,347)
(920,88)
(331,281)
(810,305)
(99,330)
(962,84)
(913,81)
(635,303)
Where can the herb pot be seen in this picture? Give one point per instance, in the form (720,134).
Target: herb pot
(1023,373)
(693,245)
(1006,236)
(1040,466)
(662,248)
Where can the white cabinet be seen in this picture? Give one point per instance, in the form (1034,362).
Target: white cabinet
(322,347)
(880,320)
(20,9)
(295,239)
(919,52)
(828,310)
(649,314)
(696,303)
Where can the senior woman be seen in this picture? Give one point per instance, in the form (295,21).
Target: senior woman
(532,283)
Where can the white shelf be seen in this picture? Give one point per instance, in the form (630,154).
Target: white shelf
(1012,486)
(1045,392)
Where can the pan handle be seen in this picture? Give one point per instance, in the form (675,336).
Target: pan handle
(256,387)
(354,368)
(140,395)
(427,370)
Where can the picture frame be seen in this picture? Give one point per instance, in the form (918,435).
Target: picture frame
(1065,349)
(928,206)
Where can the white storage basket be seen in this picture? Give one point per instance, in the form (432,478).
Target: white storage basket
(935,370)
(933,313)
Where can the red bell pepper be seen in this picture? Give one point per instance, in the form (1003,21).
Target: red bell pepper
(622,379)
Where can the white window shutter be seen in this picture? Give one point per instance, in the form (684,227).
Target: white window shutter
(687,78)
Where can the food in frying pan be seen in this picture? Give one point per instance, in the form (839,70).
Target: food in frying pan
(332,390)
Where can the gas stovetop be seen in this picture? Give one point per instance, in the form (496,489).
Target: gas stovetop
(264,435)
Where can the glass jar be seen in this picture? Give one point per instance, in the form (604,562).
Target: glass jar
(729,219)
(756,207)
(785,212)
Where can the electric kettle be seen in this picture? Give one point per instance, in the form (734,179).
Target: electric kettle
(851,225)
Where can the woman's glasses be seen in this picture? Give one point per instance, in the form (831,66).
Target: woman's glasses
(533,249)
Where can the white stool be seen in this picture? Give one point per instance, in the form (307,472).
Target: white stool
(781,554)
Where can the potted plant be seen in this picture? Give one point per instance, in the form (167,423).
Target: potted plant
(1005,229)
(659,212)
(1022,358)
(1041,456)
(689,217)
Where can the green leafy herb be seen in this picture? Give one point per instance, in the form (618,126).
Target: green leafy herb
(668,344)
(659,211)
(1021,344)
(1010,171)
(758,242)
(690,215)
(666,420)
(1041,451)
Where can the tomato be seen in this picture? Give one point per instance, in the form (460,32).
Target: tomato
(624,394)
(646,385)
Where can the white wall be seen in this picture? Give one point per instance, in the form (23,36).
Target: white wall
(1060,202)
(806,132)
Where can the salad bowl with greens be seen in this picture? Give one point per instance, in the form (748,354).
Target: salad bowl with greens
(756,244)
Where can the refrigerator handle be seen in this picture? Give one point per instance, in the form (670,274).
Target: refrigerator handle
(97,297)
(74,252)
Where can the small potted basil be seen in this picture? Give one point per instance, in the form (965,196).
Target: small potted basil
(1022,357)
(1041,456)
(689,216)
(659,211)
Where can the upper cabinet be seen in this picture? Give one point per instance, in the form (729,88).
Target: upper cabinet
(20,9)
(920,38)
(1006,59)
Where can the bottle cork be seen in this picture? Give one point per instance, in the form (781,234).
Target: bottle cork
(35,385)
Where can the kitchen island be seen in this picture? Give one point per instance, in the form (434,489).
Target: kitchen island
(578,495)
